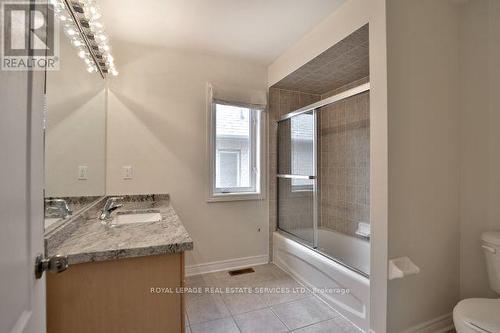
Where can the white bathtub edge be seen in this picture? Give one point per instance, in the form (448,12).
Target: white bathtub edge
(355,281)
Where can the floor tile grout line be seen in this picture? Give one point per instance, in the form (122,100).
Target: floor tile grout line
(316,323)
(236,323)
(237,314)
(337,312)
(272,310)
(186,318)
(208,321)
(205,321)
(267,306)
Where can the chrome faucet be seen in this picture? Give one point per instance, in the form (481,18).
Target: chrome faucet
(109,207)
(57,208)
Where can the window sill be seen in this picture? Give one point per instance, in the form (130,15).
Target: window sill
(235,197)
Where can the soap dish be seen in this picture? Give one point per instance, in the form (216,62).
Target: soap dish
(401,267)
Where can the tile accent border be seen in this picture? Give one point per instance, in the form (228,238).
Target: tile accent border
(229,264)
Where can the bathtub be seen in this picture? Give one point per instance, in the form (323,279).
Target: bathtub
(315,270)
(354,252)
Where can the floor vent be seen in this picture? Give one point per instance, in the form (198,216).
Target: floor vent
(241,271)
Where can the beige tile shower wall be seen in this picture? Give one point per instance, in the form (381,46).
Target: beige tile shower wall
(280,102)
(344,130)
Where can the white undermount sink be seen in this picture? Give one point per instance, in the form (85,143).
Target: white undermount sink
(136,217)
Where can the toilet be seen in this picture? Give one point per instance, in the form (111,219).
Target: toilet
(482,314)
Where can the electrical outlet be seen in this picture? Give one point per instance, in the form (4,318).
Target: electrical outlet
(127,172)
(82,172)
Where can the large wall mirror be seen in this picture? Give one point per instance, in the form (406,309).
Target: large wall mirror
(75,137)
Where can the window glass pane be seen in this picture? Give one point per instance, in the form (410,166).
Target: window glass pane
(229,164)
(302,128)
(296,145)
(233,147)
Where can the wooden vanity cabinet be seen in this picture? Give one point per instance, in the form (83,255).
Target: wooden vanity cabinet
(115,296)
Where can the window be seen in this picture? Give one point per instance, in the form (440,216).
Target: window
(235,152)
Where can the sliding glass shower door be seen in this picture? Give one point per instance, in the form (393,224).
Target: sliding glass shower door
(324,177)
(297,186)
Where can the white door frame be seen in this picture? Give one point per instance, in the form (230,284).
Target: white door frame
(22,297)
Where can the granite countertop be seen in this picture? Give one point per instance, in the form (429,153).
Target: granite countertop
(88,240)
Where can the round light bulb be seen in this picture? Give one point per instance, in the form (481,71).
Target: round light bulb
(97,25)
(70,31)
(96,16)
(101,37)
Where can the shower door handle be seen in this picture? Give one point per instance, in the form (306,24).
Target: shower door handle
(295,176)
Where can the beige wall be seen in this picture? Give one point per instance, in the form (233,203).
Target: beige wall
(480,138)
(424,156)
(76,127)
(444,149)
(157,125)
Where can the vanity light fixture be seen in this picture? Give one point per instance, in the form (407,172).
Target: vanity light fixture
(80,21)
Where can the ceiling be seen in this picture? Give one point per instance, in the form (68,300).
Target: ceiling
(342,64)
(254,30)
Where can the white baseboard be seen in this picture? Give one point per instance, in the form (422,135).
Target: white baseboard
(440,324)
(223,265)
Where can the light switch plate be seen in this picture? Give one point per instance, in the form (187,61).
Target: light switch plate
(127,172)
(83,172)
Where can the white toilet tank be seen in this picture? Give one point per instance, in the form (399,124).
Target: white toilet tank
(491,248)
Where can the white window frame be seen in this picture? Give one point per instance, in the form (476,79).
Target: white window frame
(257,151)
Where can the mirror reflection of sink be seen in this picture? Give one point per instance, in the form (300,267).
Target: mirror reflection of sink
(132,217)
(51,220)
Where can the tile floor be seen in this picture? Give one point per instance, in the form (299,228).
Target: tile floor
(297,311)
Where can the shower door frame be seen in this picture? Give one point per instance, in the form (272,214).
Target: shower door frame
(314,178)
(316,193)
(332,99)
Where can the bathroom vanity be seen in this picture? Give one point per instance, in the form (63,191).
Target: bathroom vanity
(122,277)
(114,265)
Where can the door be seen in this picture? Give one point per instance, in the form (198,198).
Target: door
(22,297)
(297,176)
